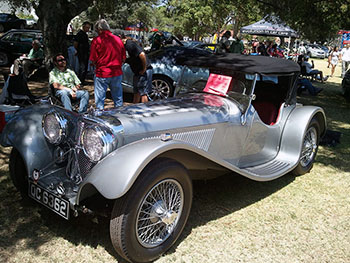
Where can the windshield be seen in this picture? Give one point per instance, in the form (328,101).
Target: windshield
(241,89)
(234,85)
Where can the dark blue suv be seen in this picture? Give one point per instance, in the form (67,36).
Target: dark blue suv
(16,42)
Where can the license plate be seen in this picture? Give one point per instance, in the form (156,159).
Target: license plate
(51,201)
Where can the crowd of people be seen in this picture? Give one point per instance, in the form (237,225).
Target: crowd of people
(108,52)
(105,55)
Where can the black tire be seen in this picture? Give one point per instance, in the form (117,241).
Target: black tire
(125,230)
(309,149)
(162,88)
(4,60)
(18,172)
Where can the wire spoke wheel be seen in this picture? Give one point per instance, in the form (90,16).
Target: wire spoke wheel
(150,217)
(159,213)
(309,147)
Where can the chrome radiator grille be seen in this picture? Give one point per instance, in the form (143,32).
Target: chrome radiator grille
(79,165)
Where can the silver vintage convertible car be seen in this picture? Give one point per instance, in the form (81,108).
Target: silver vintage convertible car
(143,157)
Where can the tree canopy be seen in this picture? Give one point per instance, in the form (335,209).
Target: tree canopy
(316,20)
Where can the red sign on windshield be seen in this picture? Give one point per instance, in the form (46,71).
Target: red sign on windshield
(218,84)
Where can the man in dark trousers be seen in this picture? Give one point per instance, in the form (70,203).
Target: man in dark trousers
(141,67)
(81,44)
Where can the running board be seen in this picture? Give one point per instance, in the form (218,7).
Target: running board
(268,171)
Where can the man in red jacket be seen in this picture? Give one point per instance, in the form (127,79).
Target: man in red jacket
(107,54)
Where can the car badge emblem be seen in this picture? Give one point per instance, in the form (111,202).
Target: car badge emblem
(36,175)
(166,137)
(60,189)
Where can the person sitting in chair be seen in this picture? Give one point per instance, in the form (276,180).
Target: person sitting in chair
(31,61)
(67,84)
(310,69)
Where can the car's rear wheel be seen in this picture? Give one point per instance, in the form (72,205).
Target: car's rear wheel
(18,172)
(309,148)
(161,88)
(147,220)
(3,58)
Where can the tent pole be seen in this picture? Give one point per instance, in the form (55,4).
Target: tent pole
(288,45)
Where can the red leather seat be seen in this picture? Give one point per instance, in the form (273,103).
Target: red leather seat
(266,111)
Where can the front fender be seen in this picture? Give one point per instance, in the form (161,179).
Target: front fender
(24,133)
(295,129)
(113,176)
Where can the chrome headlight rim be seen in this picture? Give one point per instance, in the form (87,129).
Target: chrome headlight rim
(63,127)
(107,138)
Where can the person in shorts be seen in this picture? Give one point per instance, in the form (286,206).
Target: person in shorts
(141,67)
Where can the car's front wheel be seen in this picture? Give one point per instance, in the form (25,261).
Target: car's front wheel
(147,220)
(18,172)
(162,88)
(309,148)
(3,58)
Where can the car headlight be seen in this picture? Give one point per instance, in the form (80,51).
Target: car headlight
(54,127)
(97,142)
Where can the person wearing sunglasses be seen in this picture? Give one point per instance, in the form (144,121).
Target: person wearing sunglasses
(67,85)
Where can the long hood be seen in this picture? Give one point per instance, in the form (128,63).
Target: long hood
(187,111)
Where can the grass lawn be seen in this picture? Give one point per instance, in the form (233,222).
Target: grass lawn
(233,219)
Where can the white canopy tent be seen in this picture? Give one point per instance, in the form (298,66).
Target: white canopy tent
(270,27)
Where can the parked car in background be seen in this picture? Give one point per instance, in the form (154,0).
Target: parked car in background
(168,76)
(141,159)
(206,46)
(325,49)
(345,86)
(191,43)
(314,51)
(9,21)
(16,42)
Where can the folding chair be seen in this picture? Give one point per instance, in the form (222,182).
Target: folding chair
(55,100)
(18,91)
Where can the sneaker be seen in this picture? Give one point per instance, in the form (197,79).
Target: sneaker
(325,78)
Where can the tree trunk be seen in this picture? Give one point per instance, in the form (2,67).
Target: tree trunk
(54,17)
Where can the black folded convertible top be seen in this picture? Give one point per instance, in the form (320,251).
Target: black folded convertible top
(243,63)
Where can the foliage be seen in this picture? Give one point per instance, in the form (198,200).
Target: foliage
(54,16)
(316,20)
(203,17)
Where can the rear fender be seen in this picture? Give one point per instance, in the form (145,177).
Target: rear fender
(293,134)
